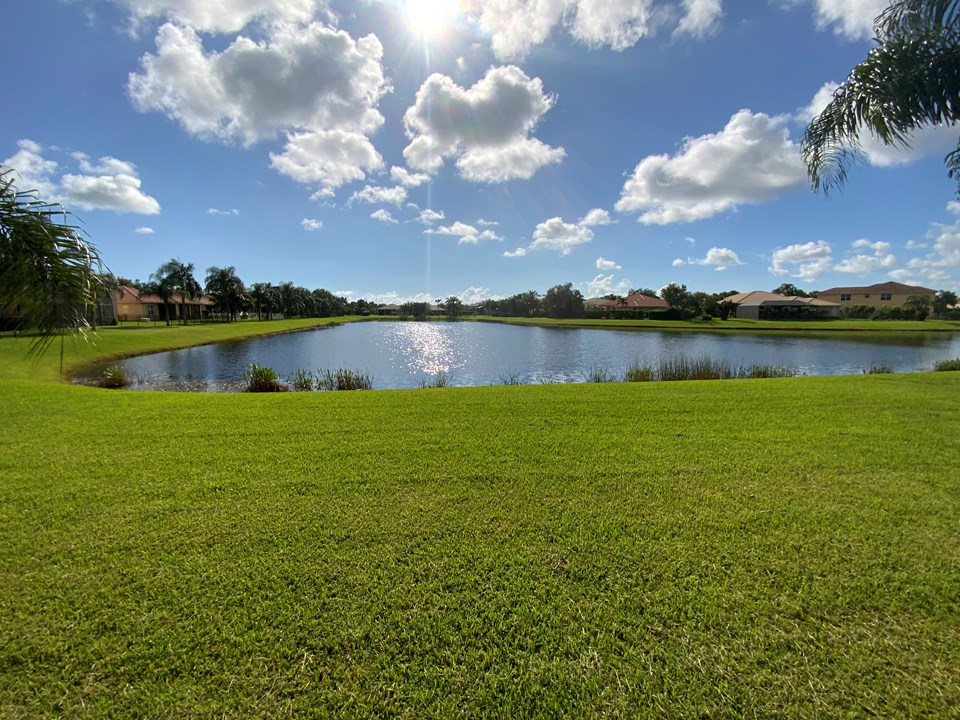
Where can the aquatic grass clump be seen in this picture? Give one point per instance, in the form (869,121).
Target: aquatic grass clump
(512,379)
(262,379)
(438,380)
(599,375)
(639,373)
(344,379)
(947,365)
(301,381)
(766,371)
(701,368)
(878,370)
(114,377)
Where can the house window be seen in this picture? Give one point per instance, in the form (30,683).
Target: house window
(886,296)
(150,309)
(844,297)
(867,296)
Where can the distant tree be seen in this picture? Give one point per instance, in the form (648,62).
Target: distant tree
(789,289)
(49,274)
(453,307)
(918,306)
(644,291)
(678,297)
(263,296)
(177,276)
(226,289)
(944,301)
(562,301)
(419,310)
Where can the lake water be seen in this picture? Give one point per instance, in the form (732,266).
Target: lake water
(404,354)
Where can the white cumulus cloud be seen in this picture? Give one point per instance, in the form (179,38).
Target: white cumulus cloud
(555,234)
(403,176)
(144,231)
(429,217)
(223,16)
(716,257)
(384,216)
(311,224)
(751,160)
(597,216)
(486,127)
(315,85)
(108,184)
(519,252)
(605,285)
(375,194)
(467,234)
(604,264)
(851,18)
(222,213)
(701,17)
(807,261)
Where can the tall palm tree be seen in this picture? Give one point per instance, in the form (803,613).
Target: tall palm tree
(226,289)
(162,290)
(910,79)
(49,274)
(178,276)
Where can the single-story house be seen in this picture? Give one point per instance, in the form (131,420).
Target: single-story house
(888,294)
(636,301)
(388,310)
(748,305)
(132,306)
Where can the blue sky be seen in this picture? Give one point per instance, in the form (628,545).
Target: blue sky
(402,149)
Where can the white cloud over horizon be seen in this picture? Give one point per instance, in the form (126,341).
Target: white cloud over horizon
(108,184)
(751,160)
(486,127)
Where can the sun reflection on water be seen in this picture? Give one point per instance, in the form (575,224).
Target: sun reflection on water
(426,348)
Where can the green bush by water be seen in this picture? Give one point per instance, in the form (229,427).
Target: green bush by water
(260,379)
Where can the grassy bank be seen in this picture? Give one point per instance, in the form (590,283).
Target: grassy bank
(735,325)
(748,548)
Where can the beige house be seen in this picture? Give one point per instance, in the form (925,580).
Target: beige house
(888,294)
(748,305)
(133,307)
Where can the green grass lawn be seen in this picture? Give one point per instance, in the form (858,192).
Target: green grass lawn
(755,548)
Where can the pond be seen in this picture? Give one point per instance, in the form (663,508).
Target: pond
(405,354)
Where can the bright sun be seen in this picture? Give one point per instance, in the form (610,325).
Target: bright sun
(430,17)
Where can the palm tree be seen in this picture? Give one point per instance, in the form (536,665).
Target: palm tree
(262,296)
(910,79)
(178,277)
(49,274)
(226,289)
(162,290)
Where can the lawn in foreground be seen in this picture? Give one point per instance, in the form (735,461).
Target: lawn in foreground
(782,547)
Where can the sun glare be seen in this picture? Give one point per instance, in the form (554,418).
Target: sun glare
(430,17)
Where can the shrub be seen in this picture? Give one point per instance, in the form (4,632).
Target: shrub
(262,379)
(301,380)
(342,379)
(439,380)
(878,370)
(114,377)
(639,373)
(947,365)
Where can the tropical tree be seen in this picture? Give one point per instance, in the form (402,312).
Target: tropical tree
(677,296)
(262,296)
(789,289)
(918,306)
(226,289)
(643,291)
(177,278)
(453,307)
(909,80)
(944,300)
(49,274)
(562,301)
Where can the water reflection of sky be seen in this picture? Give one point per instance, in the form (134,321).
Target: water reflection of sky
(406,354)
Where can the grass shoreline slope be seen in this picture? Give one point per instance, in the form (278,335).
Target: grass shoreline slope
(764,547)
